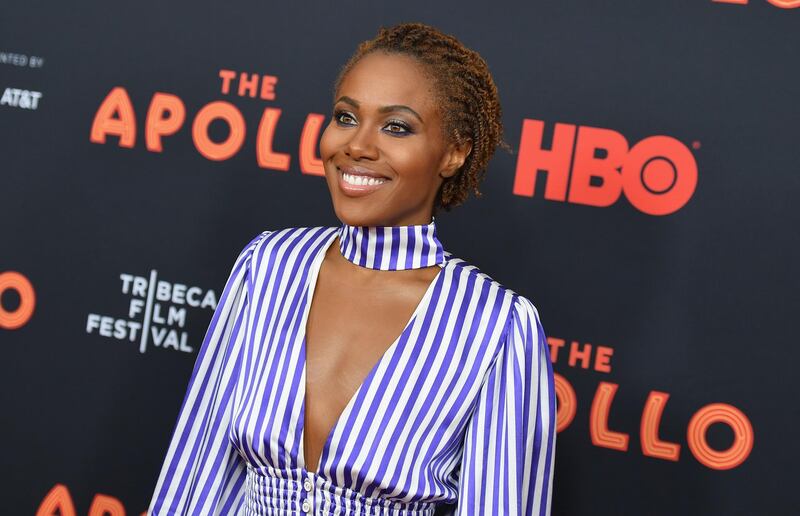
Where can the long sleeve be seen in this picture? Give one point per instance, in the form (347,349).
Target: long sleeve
(202,472)
(509,445)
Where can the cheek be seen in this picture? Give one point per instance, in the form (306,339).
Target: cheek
(414,163)
(327,149)
(325,143)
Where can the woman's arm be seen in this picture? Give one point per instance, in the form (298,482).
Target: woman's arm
(509,447)
(202,472)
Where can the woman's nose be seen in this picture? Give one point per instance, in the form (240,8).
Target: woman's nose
(362,144)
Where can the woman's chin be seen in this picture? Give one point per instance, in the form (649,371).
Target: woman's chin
(360,212)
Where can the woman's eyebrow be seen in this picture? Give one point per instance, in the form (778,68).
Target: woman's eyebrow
(383,109)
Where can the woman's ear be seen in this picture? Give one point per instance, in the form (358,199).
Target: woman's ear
(455,157)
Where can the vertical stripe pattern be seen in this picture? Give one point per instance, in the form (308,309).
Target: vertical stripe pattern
(391,248)
(457,417)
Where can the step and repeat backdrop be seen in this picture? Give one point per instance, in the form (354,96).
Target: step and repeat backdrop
(649,210)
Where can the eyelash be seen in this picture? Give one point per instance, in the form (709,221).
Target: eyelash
(406,129)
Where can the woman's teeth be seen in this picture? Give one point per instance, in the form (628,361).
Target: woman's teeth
(361,180)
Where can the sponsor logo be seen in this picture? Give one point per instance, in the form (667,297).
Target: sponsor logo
(23,99)
(658,175)
(157,313)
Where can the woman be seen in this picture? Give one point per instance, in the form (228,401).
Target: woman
(362,369)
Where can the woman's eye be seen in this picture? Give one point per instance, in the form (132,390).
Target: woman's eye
(395,127)
(343,118)
(398,128)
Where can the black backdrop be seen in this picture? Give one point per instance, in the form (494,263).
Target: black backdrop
(694,304)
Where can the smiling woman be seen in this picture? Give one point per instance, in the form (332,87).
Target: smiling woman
(401,146)
(362,369)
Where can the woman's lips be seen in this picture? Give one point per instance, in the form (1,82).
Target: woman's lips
(357,185)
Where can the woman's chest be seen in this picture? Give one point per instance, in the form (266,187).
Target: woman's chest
(386,385)
(350,326)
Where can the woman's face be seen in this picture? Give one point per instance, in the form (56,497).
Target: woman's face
(384,152)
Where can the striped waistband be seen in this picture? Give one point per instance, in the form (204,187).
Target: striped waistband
(271,491)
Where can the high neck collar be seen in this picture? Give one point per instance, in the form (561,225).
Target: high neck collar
(391,248)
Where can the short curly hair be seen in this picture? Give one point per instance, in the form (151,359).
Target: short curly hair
(470,103)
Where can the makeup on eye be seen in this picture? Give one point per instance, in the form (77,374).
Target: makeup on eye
(383,109)
(340,114)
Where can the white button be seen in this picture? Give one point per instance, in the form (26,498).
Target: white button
(307,485)
(306,506)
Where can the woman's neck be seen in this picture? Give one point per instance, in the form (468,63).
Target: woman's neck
(391,248)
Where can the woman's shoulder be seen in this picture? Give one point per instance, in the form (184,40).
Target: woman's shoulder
(516,317)
(293,240)
(289,233)
(515,303)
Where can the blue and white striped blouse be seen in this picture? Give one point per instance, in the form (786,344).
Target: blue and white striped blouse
(457,417)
